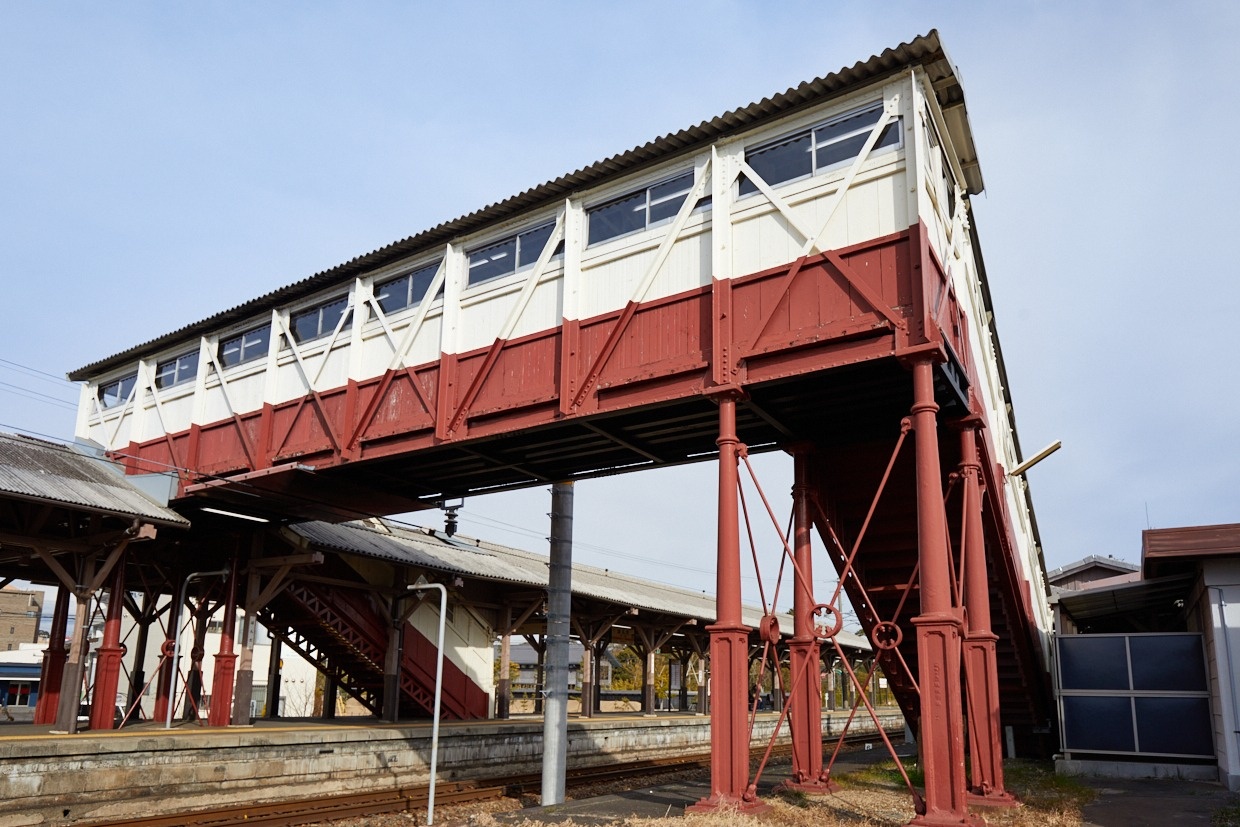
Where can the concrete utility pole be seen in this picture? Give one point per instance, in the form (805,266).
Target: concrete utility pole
(559,610)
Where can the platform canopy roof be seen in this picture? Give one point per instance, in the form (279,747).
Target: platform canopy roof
(47,473)
(477,559)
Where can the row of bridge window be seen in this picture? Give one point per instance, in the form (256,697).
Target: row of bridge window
(802,154)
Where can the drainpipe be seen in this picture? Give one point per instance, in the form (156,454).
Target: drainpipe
(1231,663)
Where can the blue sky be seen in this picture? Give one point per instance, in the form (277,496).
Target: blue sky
(164,162)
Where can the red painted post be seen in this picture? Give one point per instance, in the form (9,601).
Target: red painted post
(941,739)
(805,704)
(220,713)
(108,667)
(980,670)
(53,661)
(729,643)
(163,685)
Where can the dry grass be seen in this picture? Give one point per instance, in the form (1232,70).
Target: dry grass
(873,797)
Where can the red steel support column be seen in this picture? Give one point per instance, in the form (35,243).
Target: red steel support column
(108,666)
(805,713)
(729,642)
(220,713)
(941,739)
(980,670)
(163,685)
(53,661)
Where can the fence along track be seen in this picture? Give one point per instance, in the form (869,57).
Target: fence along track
(414,799)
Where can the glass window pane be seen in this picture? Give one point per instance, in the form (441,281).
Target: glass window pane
(530,244)
(840,151)
(890,135)
(862,121)
(667,198)
(256,343)
(125,387)
(1092,662)
(230,352)
(1168,663)
(331,315)
(393,295)
(305,326)
(617,218)
(420,280)
(165,373)
(494,261)
(781,162)
(187,367)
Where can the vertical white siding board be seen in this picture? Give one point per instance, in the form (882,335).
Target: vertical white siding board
(455,273)
(574,242)
(358,304)
(723,188)
(271,376)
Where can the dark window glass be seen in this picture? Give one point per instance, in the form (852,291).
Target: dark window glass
(781,162)
(844,149)
(318,321)
(617,218)
(407,290)
(114,393)
(667,198)
(860,122)
(494,261)
(393,295)
(178,370)
(530,244)
(247,347)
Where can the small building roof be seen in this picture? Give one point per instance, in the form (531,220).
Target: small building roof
(1092,561)
(38,471)
(468,557)
(1164,550)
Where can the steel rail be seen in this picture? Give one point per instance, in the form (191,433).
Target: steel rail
(414,799)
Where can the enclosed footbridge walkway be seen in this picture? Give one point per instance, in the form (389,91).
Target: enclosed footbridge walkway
(800,274)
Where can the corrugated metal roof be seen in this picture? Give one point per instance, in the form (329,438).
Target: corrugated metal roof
(39,471)
(475,558)
(925,51)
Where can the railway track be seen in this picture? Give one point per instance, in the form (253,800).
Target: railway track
(414,799)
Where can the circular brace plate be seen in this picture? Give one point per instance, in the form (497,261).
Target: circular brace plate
(831,623)
(886,635)
(768,629)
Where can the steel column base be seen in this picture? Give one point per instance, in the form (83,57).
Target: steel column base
(720,802)
(729,724)
(821,786)
(992,799)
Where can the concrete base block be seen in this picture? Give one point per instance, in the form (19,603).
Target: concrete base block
(1136,769)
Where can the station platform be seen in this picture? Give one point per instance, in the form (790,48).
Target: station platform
(146,769)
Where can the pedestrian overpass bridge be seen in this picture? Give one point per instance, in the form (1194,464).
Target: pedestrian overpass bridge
(801,274)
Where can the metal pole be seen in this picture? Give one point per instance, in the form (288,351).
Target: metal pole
(559,609)
(176,631)
(443,611)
